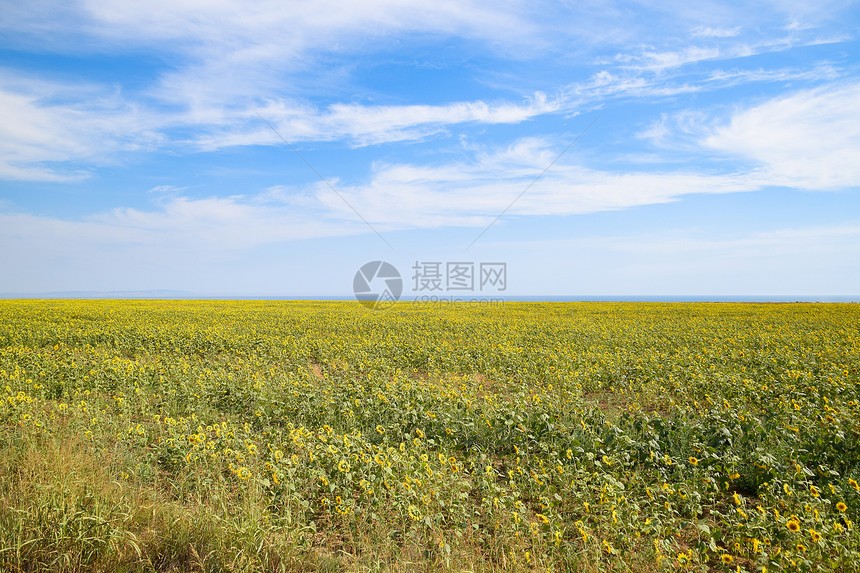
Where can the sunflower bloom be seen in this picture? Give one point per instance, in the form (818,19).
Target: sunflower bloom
(414,513)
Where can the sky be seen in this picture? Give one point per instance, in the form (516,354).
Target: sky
(611,148)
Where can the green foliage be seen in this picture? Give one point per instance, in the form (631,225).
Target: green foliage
(269,436)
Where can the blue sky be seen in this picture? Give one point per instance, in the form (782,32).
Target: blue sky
(696,148)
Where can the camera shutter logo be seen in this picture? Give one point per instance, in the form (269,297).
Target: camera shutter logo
(377,285)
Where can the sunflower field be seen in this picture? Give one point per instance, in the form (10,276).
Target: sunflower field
(320,436)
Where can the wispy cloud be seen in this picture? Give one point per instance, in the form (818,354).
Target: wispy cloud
(367,125)
(42,137)
(396,197)
(208,227)
(809,139)
(734,77)
(709,32)
(635,83)
(49,127)
(473,193)
(231,60)
(234,53)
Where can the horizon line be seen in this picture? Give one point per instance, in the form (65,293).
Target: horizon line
(165,294)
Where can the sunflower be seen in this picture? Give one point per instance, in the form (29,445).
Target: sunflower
(814,535)
(607,546)
(693,461)
(727,559)
(793,526)
(841,506)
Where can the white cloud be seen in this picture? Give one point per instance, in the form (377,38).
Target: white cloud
(396,197)
(681,54)
(237,53)
(657,61)
(681,131)
(808,140)
(91,125)
(166,189)
(47,124)
(226,59)
(302,24)
(472,195)
(659,81)
(401,196)
(709,32)
(216,224)
(368,125)
(231,59)
(728,78)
